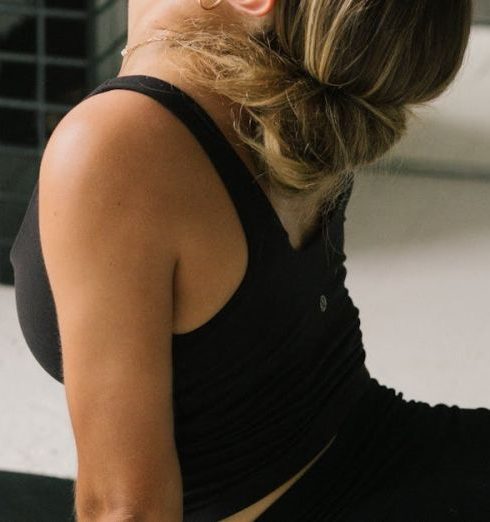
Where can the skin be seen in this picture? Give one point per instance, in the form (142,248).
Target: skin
(143,18)
(134,250)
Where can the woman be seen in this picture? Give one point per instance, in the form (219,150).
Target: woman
(190,293)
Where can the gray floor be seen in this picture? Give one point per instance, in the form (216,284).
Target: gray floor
(418,263)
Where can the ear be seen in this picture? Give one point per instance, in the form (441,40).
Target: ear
(253,7)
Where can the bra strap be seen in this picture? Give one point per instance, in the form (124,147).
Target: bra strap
(238,181)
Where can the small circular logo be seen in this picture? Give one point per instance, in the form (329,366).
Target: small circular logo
(323,302)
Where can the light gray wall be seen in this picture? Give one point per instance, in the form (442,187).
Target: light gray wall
(482,10)
(452,133)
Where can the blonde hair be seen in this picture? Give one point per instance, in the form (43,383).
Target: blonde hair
(328,88)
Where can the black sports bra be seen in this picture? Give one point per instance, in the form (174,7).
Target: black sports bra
(261,387)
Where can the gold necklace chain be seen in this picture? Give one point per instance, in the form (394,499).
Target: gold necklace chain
(127,50)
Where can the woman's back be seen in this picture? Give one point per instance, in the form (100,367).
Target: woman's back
(265,366)
(261,385)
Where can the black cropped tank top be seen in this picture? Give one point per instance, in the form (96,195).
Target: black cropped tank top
(261,387)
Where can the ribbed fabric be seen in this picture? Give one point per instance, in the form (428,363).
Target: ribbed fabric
(396,460)
(261,387)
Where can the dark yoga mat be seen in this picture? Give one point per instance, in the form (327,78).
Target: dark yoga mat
(25,497)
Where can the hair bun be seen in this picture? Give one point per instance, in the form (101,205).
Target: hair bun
(328,88)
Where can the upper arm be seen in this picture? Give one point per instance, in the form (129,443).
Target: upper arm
(108,214)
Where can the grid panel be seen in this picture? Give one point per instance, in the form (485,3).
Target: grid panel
(52,52)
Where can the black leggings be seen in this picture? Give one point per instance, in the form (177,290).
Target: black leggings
(397,460)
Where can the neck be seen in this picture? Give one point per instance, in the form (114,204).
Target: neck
(147,17)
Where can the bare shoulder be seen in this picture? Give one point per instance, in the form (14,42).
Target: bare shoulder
(110,206)
(121,145)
